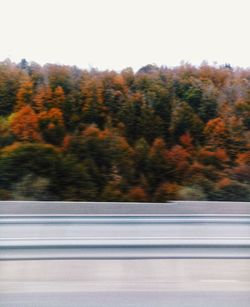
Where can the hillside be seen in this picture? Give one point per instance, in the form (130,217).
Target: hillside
(155,135)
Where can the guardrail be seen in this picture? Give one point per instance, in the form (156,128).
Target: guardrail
(124,247)
(136,248)
(120,219)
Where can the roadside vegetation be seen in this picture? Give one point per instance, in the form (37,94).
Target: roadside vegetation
(155,135)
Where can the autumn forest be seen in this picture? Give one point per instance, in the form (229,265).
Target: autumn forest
(154,135)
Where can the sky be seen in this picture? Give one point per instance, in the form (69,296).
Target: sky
(115,34)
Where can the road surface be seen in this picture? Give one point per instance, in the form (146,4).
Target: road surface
(130,283)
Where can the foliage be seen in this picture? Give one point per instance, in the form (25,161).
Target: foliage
(156,135)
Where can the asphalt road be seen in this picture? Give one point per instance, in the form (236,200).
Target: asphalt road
(180,207)
(125,299)
(137,283)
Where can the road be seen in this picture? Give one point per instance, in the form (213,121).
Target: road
(124,259)
(137,283)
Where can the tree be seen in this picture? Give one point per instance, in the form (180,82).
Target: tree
(6,138)
(158,134)
(158,170)
(63,178)
(187,142)
(32,187)
(167,191)
(178,160)
(93,107)
(58,97)
(20,160)
(184,120)
(141,157)
(59,75)
(137,194)
(24,125)
(42,100)
(103,150)
(191,193)
(243,109)
(216,157)
(9,84)
(24,95)
(24,65)
(52,126)
(231,190)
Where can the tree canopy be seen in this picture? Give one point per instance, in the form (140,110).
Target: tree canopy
(158,134)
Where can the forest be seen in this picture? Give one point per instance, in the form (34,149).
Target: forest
(155,135)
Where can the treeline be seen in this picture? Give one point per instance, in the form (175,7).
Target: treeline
(155,135)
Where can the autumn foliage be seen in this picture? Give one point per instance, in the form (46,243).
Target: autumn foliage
(24,124)
(155,135)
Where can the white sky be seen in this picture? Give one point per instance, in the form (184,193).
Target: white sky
(115,34)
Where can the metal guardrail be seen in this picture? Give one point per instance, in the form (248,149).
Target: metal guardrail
(138,248)
(124,248)
(126,219)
